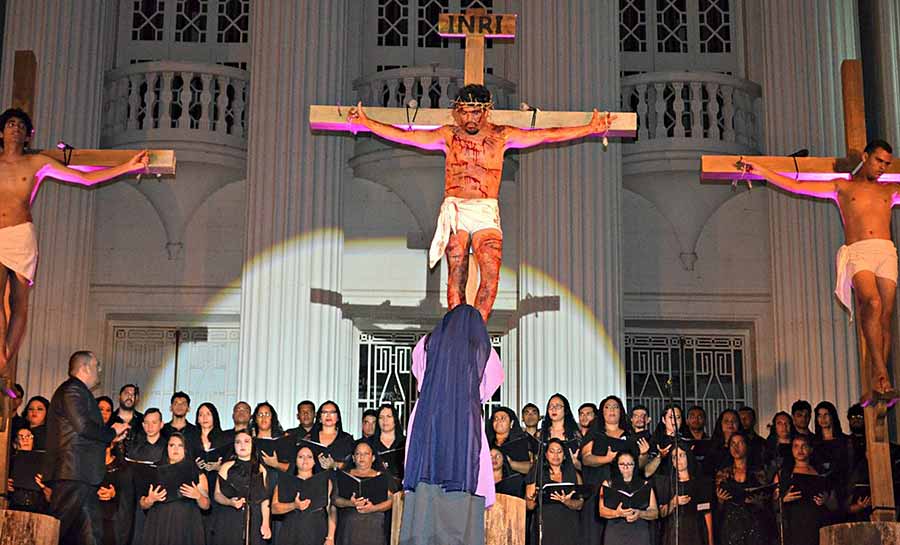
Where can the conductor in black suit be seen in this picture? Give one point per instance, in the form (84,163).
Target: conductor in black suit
(76,445)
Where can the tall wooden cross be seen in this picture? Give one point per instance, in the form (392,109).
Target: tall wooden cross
(475,25)
(725,167)
(162,162)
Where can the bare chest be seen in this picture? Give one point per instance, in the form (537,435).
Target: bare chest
(483,150)
(869,201)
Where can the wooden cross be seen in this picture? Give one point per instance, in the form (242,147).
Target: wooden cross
(474,25)
(161,162)
(725,167)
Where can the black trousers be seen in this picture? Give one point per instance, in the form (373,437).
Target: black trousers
(77,507)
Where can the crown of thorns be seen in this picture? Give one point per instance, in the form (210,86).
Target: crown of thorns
(457,103)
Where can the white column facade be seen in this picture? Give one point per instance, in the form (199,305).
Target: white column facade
(71,42)
(803,45)
(570,202)
(292,348)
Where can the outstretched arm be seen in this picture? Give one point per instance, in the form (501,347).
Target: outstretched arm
(821,190)
(431,140)
(61,172)
(521,138)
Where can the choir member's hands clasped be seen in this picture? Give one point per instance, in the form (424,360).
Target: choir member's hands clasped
(677,501)
(820,499)
(301,505)
(664,451)
(363,505)
(106,493)
(238,503)
(630,515)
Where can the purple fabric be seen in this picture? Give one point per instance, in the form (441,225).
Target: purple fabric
(456,370)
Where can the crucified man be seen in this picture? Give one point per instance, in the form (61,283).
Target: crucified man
(19,179)
(867,262)
(470,215)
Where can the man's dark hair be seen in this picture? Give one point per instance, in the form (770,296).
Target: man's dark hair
(306,402)
(749,409)
(137,390)
(639,407)
(474,92)
(531,405)
(590,406)
(801,405)
(182,395)
(16,113)
(855,410)
(19,390)
(370,412)
(878,144)
(153,410)
(78,360)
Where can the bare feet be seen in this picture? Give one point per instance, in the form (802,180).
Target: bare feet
(881,382)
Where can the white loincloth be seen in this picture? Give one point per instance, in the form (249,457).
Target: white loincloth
(18,249)
(875,254)
(458,214)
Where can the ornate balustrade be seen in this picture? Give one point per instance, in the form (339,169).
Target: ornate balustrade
(431,87)
(190,105)
(704,110)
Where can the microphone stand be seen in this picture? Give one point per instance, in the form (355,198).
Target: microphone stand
(539,485)
(674,483)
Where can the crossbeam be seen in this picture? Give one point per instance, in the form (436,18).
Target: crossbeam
(806,169)
(334,118)
(162,162)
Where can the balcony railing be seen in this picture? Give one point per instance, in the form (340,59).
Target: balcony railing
(704,107)
(194,103)
(431,87)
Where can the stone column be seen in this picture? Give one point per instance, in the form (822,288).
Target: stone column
(570,200)
(72,45)
(815,344)
(292,348)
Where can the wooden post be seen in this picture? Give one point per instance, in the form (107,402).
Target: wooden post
(20,528)
(504,522)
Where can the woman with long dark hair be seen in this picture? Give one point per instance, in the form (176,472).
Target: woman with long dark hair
(778,444)
(559,422)
(361,519)
(331,444)
(175,518)
(242,488)
(388,442)
(807,497)
(36,417)
(628,502)
(832,449)
(116,495)
(506,481)
(505,433)
(727,424)
(309,518)
(559,512)
(684,497)
(744,508)
(668,432)
(609,436)
(105,404)
(266,431)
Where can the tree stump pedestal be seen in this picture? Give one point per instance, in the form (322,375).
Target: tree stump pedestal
(19,527)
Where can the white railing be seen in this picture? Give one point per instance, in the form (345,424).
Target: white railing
(195,102)
(430,86)
(694,105)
